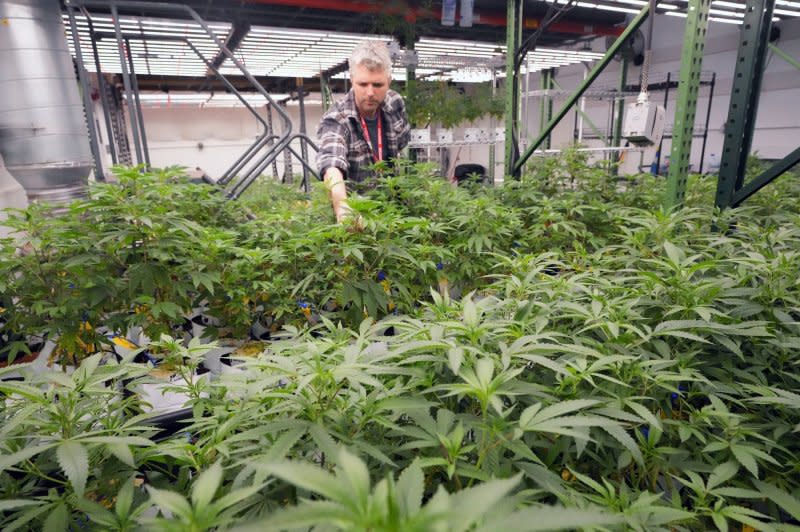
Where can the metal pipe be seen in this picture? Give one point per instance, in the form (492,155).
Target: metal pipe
(580,112)
(786,57)
(632,27)
(101,82)
(163,6)
(303,148)
(272,133)
(268,159)
(756,184)
(87,99)
(127,84)
(257,144)
(138,103)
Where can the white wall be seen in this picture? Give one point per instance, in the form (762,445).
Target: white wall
(213,138)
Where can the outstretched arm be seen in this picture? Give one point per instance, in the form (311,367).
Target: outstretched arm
(334,180)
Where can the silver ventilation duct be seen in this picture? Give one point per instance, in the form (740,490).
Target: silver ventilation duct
(43,133)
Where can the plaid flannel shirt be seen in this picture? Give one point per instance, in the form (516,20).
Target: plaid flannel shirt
(341,138)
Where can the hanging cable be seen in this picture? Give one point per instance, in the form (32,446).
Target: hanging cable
(648,51)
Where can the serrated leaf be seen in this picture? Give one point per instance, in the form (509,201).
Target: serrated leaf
(470,312)
(674,253)
(535,415)
(57,520)
(27,453)
(323,440)
(309,477)
(122,452)
(410,489)
(455,356)
(303,516)
(471,504)
(780,497)
(206,485)
(722,473)
(124,498)
(170,501)
(644,413)
(619,434)
(355,472)
(12,504)
(744,457)
(74,461)
(535,519)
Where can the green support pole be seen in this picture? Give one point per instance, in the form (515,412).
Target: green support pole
(782,166)
(750,63)
(616,141)
(694,42)
(511,83)
(544,102)
(551,78)
(598,68)
(786,57)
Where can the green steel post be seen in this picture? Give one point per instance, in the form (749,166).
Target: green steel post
(750,63)
(623,83)
(543,118)
(551,78)
(598,68)
(694,42)
(786,57)
(511,83)
(616,141)
(586,118)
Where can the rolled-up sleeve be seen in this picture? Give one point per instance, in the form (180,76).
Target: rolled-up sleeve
(334,138)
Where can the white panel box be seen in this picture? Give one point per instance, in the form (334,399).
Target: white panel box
(644,123)
(420,136)
(444,136)
(475,134)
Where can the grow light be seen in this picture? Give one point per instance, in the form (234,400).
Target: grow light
(281,52)
(721,10)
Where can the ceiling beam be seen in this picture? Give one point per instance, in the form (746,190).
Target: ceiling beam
(412,14)
(238,32)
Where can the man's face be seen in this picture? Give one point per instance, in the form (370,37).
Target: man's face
(370,88)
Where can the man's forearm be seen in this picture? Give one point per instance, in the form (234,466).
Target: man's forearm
(334,180)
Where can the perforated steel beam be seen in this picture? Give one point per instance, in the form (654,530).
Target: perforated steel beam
(750,62)
(694,41)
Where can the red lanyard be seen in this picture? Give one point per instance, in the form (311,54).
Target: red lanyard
(379,155)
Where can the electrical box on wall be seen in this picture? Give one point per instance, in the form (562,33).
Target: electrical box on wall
(644,122)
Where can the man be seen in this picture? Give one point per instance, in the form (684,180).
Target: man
(368,126)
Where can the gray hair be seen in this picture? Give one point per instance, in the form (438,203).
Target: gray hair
(372,54)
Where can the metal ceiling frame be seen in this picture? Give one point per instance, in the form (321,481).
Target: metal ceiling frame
(241,182)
